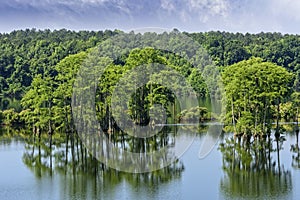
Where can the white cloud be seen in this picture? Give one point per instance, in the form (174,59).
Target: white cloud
(266,15)
(286,8)
(44,3)
(201,11)
(168,5)
(196,15)
(213,7)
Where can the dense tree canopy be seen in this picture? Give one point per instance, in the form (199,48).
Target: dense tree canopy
(39,67)
(253,88)
(26,53)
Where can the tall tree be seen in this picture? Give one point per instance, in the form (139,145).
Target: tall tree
(253,88)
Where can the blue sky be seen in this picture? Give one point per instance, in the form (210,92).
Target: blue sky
(186,15)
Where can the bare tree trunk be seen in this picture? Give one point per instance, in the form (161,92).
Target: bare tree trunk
(67,150)
(255,124)
(265,115)
(277,133)
(233,119)
(297,114)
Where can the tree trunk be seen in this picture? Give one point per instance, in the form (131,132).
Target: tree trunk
(265,115)
(277,133)
(233,119)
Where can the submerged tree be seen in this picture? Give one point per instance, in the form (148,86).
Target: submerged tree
(254,91)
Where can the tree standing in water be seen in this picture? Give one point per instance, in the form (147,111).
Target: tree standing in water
(254,93)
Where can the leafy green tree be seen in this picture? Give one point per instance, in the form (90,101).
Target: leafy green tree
(66,74)
(252,87)
(39,100)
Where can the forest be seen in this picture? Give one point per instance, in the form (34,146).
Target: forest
(38,68)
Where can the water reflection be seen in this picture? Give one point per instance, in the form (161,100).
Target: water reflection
(254,170)
(296,150)
(257,170)
(84,176)
(8,134)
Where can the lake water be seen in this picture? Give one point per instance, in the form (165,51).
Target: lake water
(192,178)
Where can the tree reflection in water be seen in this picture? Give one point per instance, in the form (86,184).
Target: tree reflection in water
(82,174)
(253,170)
(296,151)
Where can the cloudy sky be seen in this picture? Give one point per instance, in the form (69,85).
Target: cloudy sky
(186,15)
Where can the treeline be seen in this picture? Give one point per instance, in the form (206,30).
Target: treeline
(27,53)
(229,48)
(40,68)
(24,54)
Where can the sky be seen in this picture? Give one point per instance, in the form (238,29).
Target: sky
(252,16)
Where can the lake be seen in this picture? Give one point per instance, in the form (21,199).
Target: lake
(25,174)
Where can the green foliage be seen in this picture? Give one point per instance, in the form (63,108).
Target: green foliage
(26,53)
(144,97)
(288,111)
(1,117)
(48,101)
(229,48)
(9,117)
(253,88)
(40,67)
(195,114)
(252,169)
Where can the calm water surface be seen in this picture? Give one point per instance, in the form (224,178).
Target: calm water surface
(198,179)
